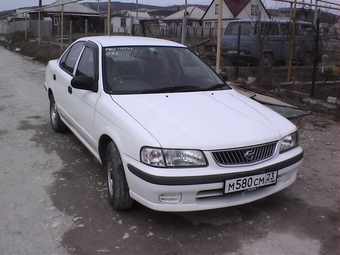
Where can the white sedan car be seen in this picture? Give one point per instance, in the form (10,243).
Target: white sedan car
(170,132)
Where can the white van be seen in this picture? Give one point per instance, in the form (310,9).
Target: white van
(275,38)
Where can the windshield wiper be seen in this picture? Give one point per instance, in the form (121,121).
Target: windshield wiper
(179,88)
(217,86)
(170,89)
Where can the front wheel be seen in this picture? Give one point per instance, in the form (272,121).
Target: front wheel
(57,124)
(118,189)
(308,59)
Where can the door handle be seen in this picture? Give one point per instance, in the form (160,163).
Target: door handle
(69,89)
(54,77)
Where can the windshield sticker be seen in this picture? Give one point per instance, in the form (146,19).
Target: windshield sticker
(119,48)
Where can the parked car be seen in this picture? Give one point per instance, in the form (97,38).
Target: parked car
(247,41)
(170,133)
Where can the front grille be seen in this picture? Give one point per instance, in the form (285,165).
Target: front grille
(244,156)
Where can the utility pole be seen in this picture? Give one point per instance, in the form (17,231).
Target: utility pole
(292,44)
(108,17)
(184,24)
(219,37)
(317,21)
(39,24)
(137,10)
(62,28)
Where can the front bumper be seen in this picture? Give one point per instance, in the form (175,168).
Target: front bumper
(196,192)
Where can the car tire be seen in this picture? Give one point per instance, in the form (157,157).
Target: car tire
(117,186)
(308,59)
(267,60)
(57,124)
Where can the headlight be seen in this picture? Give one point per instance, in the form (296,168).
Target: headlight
(172,158)
(288,142)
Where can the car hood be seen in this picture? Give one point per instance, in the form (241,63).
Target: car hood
(205,120)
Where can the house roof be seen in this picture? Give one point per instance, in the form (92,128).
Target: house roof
(194,13)
(69,7)
(236,6)
(141,15)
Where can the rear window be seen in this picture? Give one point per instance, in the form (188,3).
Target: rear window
(232,28)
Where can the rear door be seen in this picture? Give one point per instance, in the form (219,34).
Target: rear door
(63,77)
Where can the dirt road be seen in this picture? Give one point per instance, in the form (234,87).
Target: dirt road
(53,192)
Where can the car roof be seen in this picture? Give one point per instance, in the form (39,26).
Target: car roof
(281,21)
(107,41)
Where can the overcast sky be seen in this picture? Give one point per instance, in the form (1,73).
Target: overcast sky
(14,4)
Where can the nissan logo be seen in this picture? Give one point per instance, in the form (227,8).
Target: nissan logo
(249,155)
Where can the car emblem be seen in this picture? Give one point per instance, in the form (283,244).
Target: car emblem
(249,155)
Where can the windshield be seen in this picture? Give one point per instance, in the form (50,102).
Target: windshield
(146,69)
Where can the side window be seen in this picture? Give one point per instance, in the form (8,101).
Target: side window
(69,59)
(285,31)
(306,30)
(86,65)
(232,28)
(269,29)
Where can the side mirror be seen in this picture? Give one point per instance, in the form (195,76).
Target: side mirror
(83,82)
(223,76)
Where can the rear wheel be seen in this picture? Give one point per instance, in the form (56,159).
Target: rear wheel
(267,60)
(118,189)
(57,124)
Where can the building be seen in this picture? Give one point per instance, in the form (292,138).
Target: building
(194,17)
(123,22)
(14,20)
(232,10)
(77,19)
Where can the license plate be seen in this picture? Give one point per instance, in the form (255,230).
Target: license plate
(250,182)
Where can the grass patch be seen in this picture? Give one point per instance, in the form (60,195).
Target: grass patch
(30,47)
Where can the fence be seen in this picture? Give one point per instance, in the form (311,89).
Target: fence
(191,32)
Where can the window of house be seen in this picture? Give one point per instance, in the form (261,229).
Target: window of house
(196,24)
(208,24)
(123,22)
(56,20)
(254,10)
(216,8)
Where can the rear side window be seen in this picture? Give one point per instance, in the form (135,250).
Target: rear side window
(267,29)
(307,30)
(285,30)
(68,61)
(232,28)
